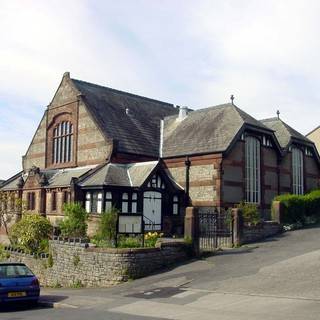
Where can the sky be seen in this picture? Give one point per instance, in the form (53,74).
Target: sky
(190,53)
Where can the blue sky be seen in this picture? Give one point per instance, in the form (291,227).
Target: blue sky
(193,53)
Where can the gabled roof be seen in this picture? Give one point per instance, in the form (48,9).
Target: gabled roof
(206,130)
(133,121)
(284,132)
(121,175)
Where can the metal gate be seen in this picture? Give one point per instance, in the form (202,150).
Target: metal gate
(214,231)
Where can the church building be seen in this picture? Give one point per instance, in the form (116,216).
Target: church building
(104,147)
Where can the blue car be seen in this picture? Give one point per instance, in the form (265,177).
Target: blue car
(18,284)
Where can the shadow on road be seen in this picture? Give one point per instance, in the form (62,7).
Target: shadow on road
(14,307)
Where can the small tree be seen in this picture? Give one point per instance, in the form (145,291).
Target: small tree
(107,229)
(75,220)
(31,233)
(10,206)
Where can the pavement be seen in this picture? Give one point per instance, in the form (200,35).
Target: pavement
(273,279)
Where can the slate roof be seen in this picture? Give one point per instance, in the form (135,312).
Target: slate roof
(284,132)
(54,177)
(63,177)
(11,183)
(137,132)
(121,175)
(205,130)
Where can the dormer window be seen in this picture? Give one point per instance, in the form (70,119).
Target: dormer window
(63,142)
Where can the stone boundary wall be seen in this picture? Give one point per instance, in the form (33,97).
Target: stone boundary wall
(259,232)
(75,264)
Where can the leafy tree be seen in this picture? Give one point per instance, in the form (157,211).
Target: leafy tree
(10,206)
(31,233)
(75,220)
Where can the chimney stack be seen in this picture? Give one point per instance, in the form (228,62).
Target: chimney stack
(183,113)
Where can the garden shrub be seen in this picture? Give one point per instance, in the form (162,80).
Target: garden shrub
(31,233)
(300,208)
(3,254)
(129,242)
(74,223)
(107,228)
(151,238)
(250,213)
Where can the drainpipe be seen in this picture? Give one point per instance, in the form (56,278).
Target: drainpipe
(187,164)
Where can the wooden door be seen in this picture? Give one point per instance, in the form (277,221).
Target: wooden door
(152,210)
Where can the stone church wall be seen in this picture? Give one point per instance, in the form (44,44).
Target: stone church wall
(73,264)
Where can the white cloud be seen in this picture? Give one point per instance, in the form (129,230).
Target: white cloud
(186,52)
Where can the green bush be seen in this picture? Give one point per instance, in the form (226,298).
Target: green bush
(300,208)
(31,233)
(250,213)
(3,254)
(129,242)
(107,228)
(75,220)
(294,209)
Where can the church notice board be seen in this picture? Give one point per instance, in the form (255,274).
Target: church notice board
(132,224)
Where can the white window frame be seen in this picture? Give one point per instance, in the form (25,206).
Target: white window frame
(88,202)
(297,171)
(175,208)
(252,170)
(125,202)
(99,202)
(134,200)
(108,201)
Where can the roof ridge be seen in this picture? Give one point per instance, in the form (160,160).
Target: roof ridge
(192,111)
(242,112)
(124,92)
(269,119)
(290,128)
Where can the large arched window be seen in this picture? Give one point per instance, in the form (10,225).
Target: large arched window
(252,178)
(63,142)
(297,171)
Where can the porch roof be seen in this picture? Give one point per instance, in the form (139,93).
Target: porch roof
(122,175)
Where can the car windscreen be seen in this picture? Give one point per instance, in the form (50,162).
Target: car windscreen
(14,271)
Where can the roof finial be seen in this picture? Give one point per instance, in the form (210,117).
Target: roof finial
(232,98)
(278,114)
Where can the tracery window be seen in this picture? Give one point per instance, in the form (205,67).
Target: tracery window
(63,142)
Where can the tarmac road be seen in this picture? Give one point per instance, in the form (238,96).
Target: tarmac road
(275,279)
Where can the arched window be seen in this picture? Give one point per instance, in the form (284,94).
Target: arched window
(297,171)
(63,142)
(252,178)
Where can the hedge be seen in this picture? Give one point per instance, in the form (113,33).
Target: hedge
(297,207)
